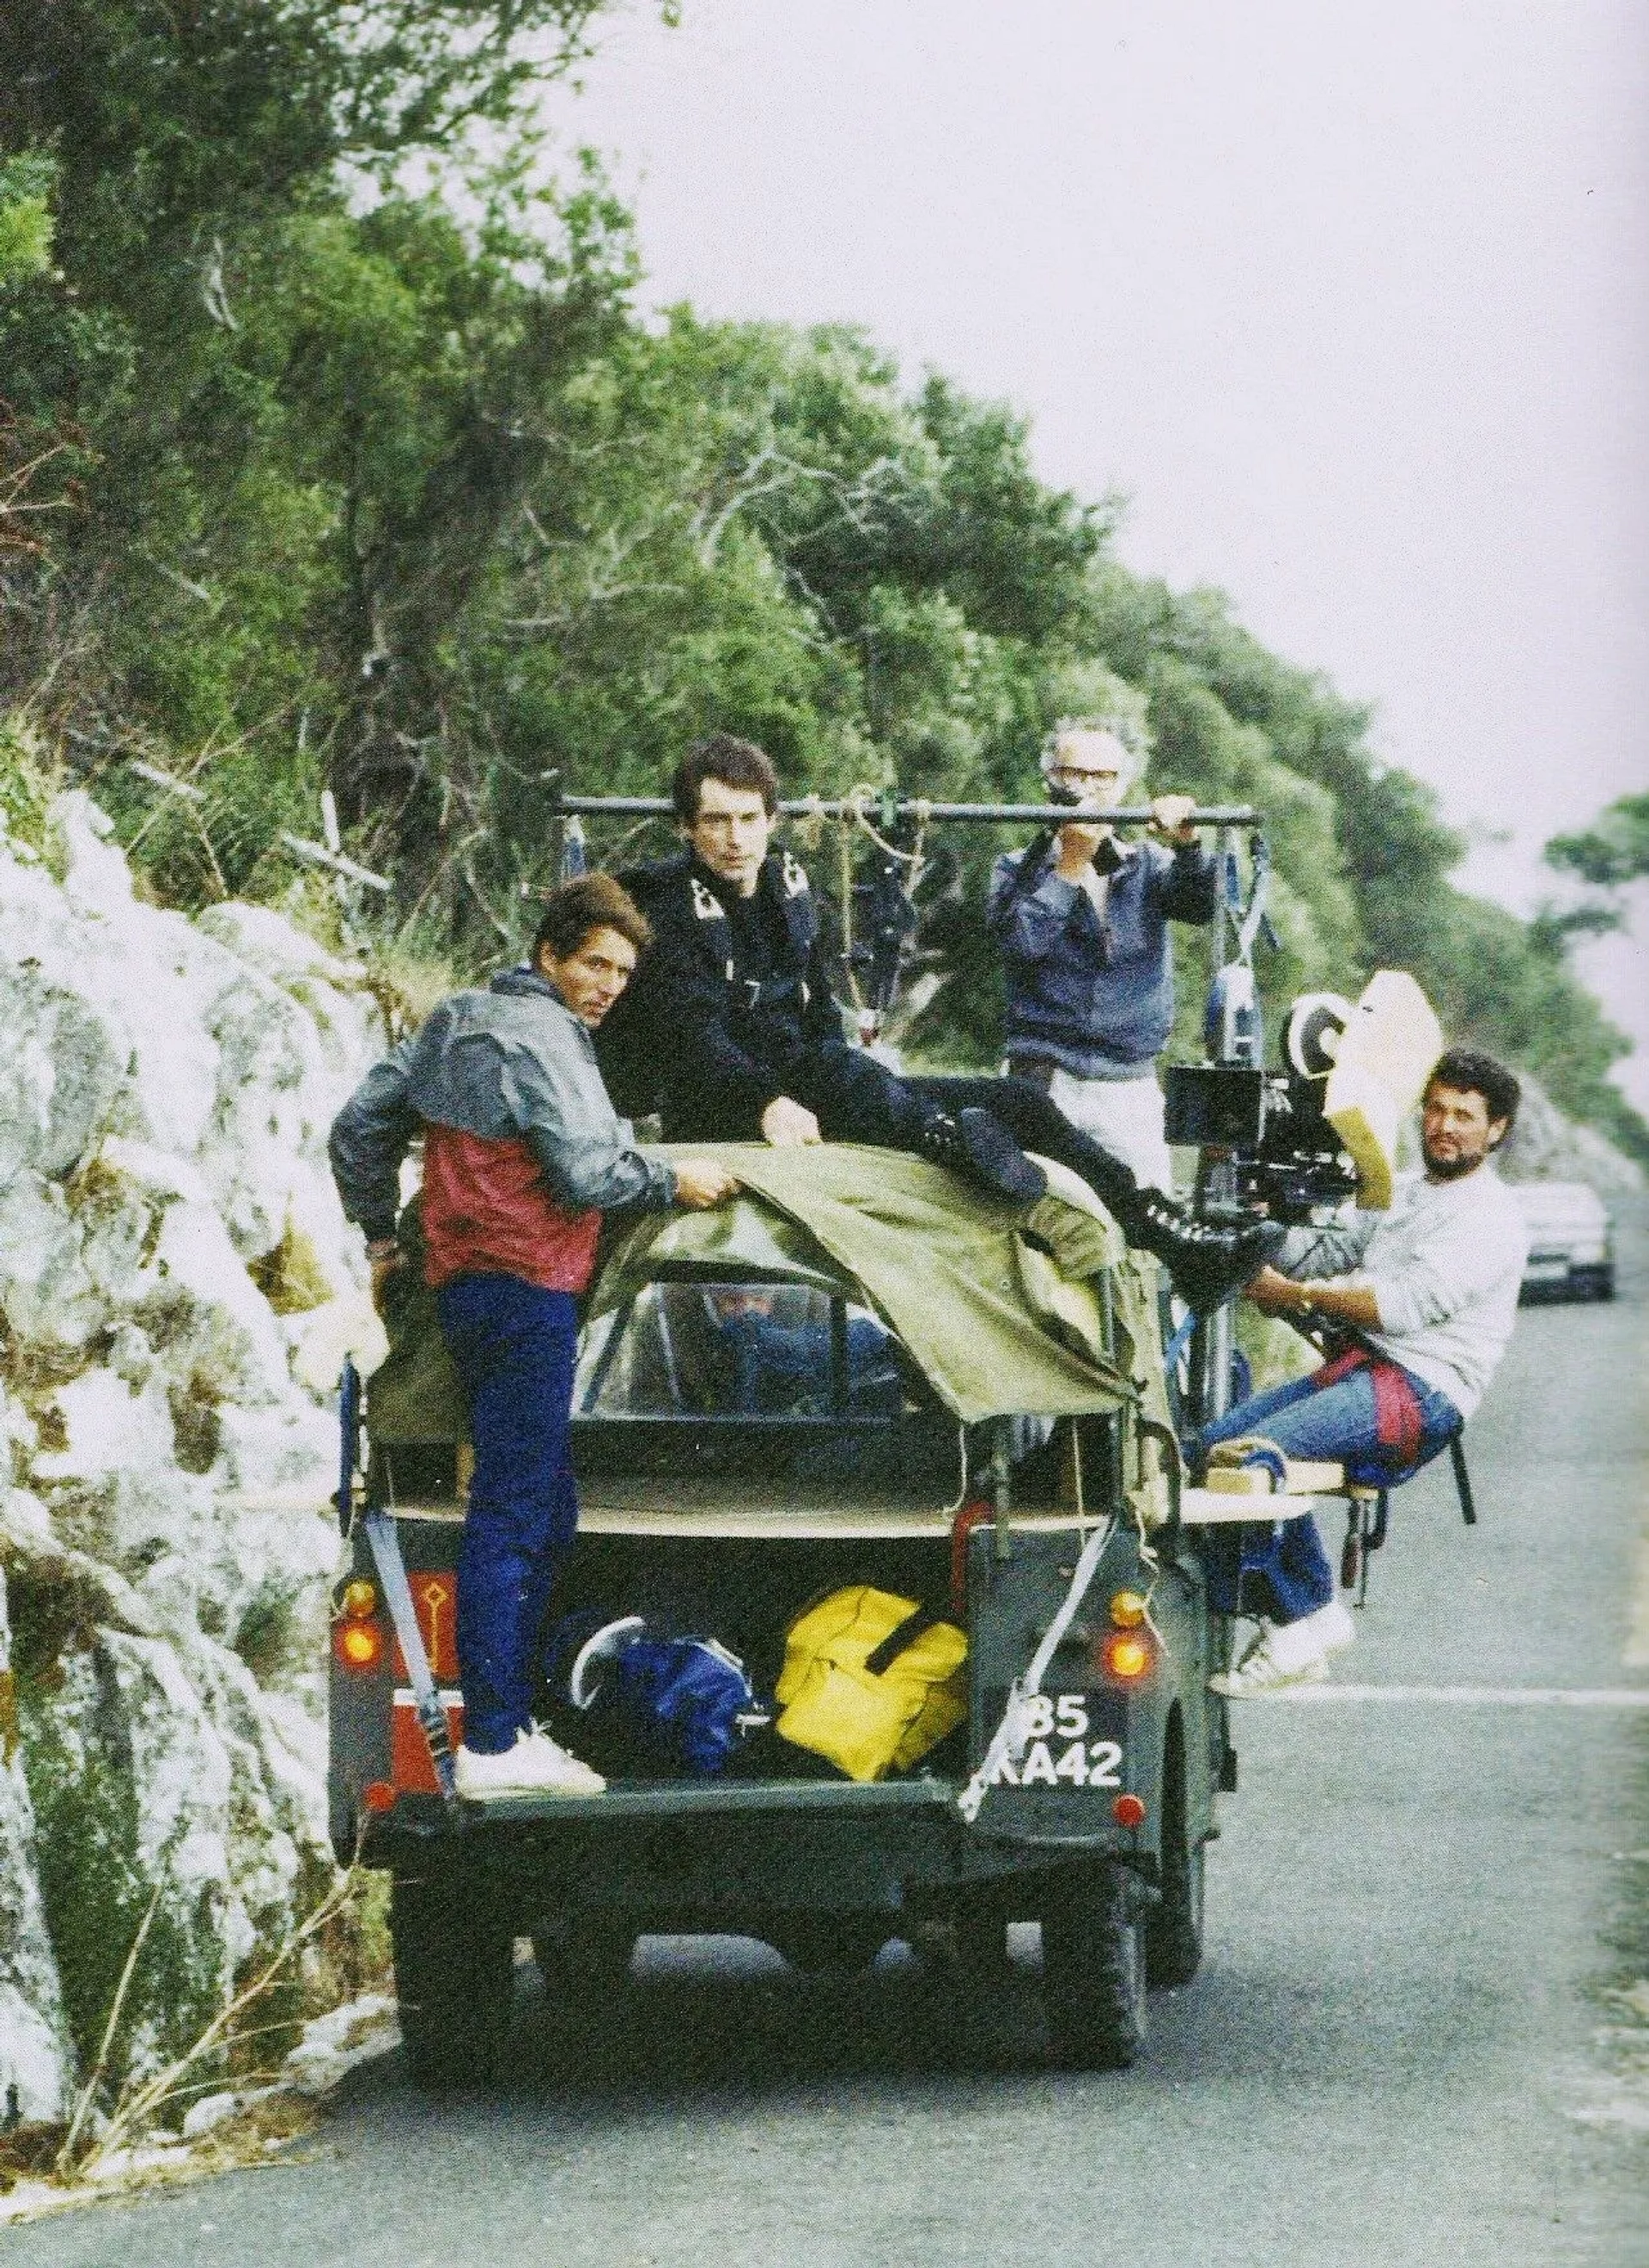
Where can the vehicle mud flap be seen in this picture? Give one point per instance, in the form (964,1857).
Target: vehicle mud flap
(455,1972)
(385,1544)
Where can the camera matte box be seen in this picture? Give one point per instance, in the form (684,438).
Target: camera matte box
(1215,1105)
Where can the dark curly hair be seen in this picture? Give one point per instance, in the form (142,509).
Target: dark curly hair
(734,763)
(1470,1072)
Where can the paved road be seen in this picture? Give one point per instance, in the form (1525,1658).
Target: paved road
(1415,1904)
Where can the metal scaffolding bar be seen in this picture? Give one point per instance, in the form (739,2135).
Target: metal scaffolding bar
(1035,815)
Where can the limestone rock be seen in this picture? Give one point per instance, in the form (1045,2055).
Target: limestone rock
(34,2052)
(166,1220)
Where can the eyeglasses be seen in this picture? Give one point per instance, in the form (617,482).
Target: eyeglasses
(1072,776)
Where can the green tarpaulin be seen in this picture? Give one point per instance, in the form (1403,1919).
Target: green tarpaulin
(998,1308)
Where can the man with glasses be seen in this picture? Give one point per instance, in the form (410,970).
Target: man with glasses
(733,1032)
(1083,923)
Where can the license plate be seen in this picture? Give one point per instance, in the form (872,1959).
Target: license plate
(1075,1741)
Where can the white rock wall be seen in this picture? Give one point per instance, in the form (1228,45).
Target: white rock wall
(1546,1147)
(165,1544)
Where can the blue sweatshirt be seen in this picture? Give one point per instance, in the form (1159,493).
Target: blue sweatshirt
(1094,998)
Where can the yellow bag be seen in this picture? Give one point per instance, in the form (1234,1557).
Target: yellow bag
(871,1682)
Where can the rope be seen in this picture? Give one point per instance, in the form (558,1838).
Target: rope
(810,820)
(854,802)
(854,815)
(844,851)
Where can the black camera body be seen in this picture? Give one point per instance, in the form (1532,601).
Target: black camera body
(1288,1162)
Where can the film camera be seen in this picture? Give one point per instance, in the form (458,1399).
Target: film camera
(1287,1161)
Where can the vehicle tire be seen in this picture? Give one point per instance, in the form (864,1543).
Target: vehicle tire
(454,1977)
(829,1944)
(981,1947)
(584,1961)
(1094,1968)
(1174,1929)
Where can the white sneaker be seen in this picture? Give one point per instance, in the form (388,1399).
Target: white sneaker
(1333,1627)
(1259,1671)
(1289,1653)
(536,1765)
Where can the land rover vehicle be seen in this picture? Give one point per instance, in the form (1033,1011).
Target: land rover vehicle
(1571,1241)
(857,1372)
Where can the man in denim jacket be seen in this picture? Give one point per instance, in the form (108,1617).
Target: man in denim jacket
(1083,921)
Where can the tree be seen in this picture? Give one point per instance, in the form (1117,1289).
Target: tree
(1613,851)
(332,455)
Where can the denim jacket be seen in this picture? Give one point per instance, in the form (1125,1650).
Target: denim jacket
(1096,999)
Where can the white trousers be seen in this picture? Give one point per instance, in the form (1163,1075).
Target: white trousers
(1124,1115)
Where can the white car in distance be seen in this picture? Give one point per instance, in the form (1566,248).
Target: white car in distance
(1571,1241)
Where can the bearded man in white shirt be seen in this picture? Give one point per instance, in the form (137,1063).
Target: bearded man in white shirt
(1430,1289)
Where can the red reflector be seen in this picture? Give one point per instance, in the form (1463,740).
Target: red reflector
(1129,1811)
(377,1795)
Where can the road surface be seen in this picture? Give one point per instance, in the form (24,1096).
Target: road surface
(1430,1877)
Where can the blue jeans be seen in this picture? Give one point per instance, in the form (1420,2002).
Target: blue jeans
(1284,1570)
(513,1345)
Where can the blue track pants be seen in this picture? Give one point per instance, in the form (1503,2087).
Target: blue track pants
(513,1346)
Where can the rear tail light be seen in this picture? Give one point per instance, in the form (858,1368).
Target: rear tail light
(1129,1811)
(357,1642)
(1127,1654)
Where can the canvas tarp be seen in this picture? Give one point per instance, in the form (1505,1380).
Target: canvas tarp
(997,1307)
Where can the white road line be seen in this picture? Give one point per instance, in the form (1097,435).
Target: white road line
(1495,1696)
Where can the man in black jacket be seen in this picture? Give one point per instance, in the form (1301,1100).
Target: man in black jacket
(731,1031)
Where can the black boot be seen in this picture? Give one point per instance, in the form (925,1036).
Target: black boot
(982,1150)
(1205,1266)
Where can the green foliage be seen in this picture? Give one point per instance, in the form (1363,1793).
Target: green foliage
(26,216)
(29,777)
(1611,853)
(336,478)
(95,1885)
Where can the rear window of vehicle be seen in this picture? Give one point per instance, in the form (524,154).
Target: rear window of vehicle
(742,1351)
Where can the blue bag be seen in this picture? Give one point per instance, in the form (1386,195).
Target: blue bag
(654,1704)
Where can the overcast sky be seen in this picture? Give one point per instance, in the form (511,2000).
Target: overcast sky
(1350,302)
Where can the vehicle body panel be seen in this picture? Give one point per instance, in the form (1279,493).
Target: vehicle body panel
(765,1525)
